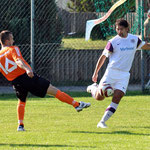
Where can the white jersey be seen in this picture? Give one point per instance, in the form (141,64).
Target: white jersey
(121,51)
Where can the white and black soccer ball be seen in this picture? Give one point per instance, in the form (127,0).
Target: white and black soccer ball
(106,90)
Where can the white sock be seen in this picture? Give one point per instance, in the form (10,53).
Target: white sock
(109,111)
(113,105)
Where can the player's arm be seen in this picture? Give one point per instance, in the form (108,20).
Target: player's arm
(22,65)
(143,45)
(146,46)
(106,53)
(99,64)
(17,56)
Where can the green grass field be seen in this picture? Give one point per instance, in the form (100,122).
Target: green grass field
(80,43)
(51,124)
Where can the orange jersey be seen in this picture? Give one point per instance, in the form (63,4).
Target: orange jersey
(8,66)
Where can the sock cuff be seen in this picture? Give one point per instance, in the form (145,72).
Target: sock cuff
(20,122)
(58,93)
(111,109)
(21,103)
(113,105)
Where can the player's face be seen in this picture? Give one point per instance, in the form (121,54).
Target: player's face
(122,31)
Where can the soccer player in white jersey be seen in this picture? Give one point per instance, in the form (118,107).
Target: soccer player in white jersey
(120,50)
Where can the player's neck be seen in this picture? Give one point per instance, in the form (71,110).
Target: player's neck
(124,36)
(6,45)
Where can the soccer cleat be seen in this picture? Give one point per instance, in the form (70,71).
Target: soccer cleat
(89,88)
(101,125)
(82,105)
(20,128)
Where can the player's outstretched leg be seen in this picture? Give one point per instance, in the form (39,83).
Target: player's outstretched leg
(82,105)
(62,96)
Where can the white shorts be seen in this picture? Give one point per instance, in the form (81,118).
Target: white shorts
(116,78)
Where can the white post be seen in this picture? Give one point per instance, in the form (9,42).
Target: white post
(142,52)
(32,34)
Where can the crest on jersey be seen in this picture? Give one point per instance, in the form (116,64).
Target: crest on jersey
(132,41)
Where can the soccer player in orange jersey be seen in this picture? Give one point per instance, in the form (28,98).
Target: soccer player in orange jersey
(24,80)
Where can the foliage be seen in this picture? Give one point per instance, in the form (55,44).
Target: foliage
(15,16)
(102,5)
(92,5)
(48,26)
(81,5)
(104,29)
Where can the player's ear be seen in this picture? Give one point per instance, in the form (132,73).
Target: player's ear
(128,29)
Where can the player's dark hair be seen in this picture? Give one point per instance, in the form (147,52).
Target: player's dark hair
(4,35)
(122,22)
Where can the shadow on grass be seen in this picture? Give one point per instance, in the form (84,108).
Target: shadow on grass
(114,132)
(134,127)
(43,145)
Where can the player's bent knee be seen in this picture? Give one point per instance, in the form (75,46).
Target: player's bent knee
(22,100)
(52,90)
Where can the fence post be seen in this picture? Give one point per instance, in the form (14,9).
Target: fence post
(32,34)
(142,52)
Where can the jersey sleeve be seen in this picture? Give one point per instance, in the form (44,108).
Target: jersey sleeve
(140,43)
(108,49)
(17,54)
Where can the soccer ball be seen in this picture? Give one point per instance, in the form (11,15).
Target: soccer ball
(106,90)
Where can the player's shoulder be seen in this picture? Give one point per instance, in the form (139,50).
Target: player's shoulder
(132,36)
(114,39)
(14,48)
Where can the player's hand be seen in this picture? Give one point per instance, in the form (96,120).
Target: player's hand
(94,77)
(30,73)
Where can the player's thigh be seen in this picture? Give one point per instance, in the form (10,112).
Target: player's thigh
(122,84)
(38,86)
(21,93)
(106,79)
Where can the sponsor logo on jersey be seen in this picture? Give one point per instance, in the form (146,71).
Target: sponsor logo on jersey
(127,48)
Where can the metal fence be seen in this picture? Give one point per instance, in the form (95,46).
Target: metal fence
(63,67)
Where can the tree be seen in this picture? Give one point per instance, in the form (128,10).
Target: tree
(15,16)
(104,29)
(81,5)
